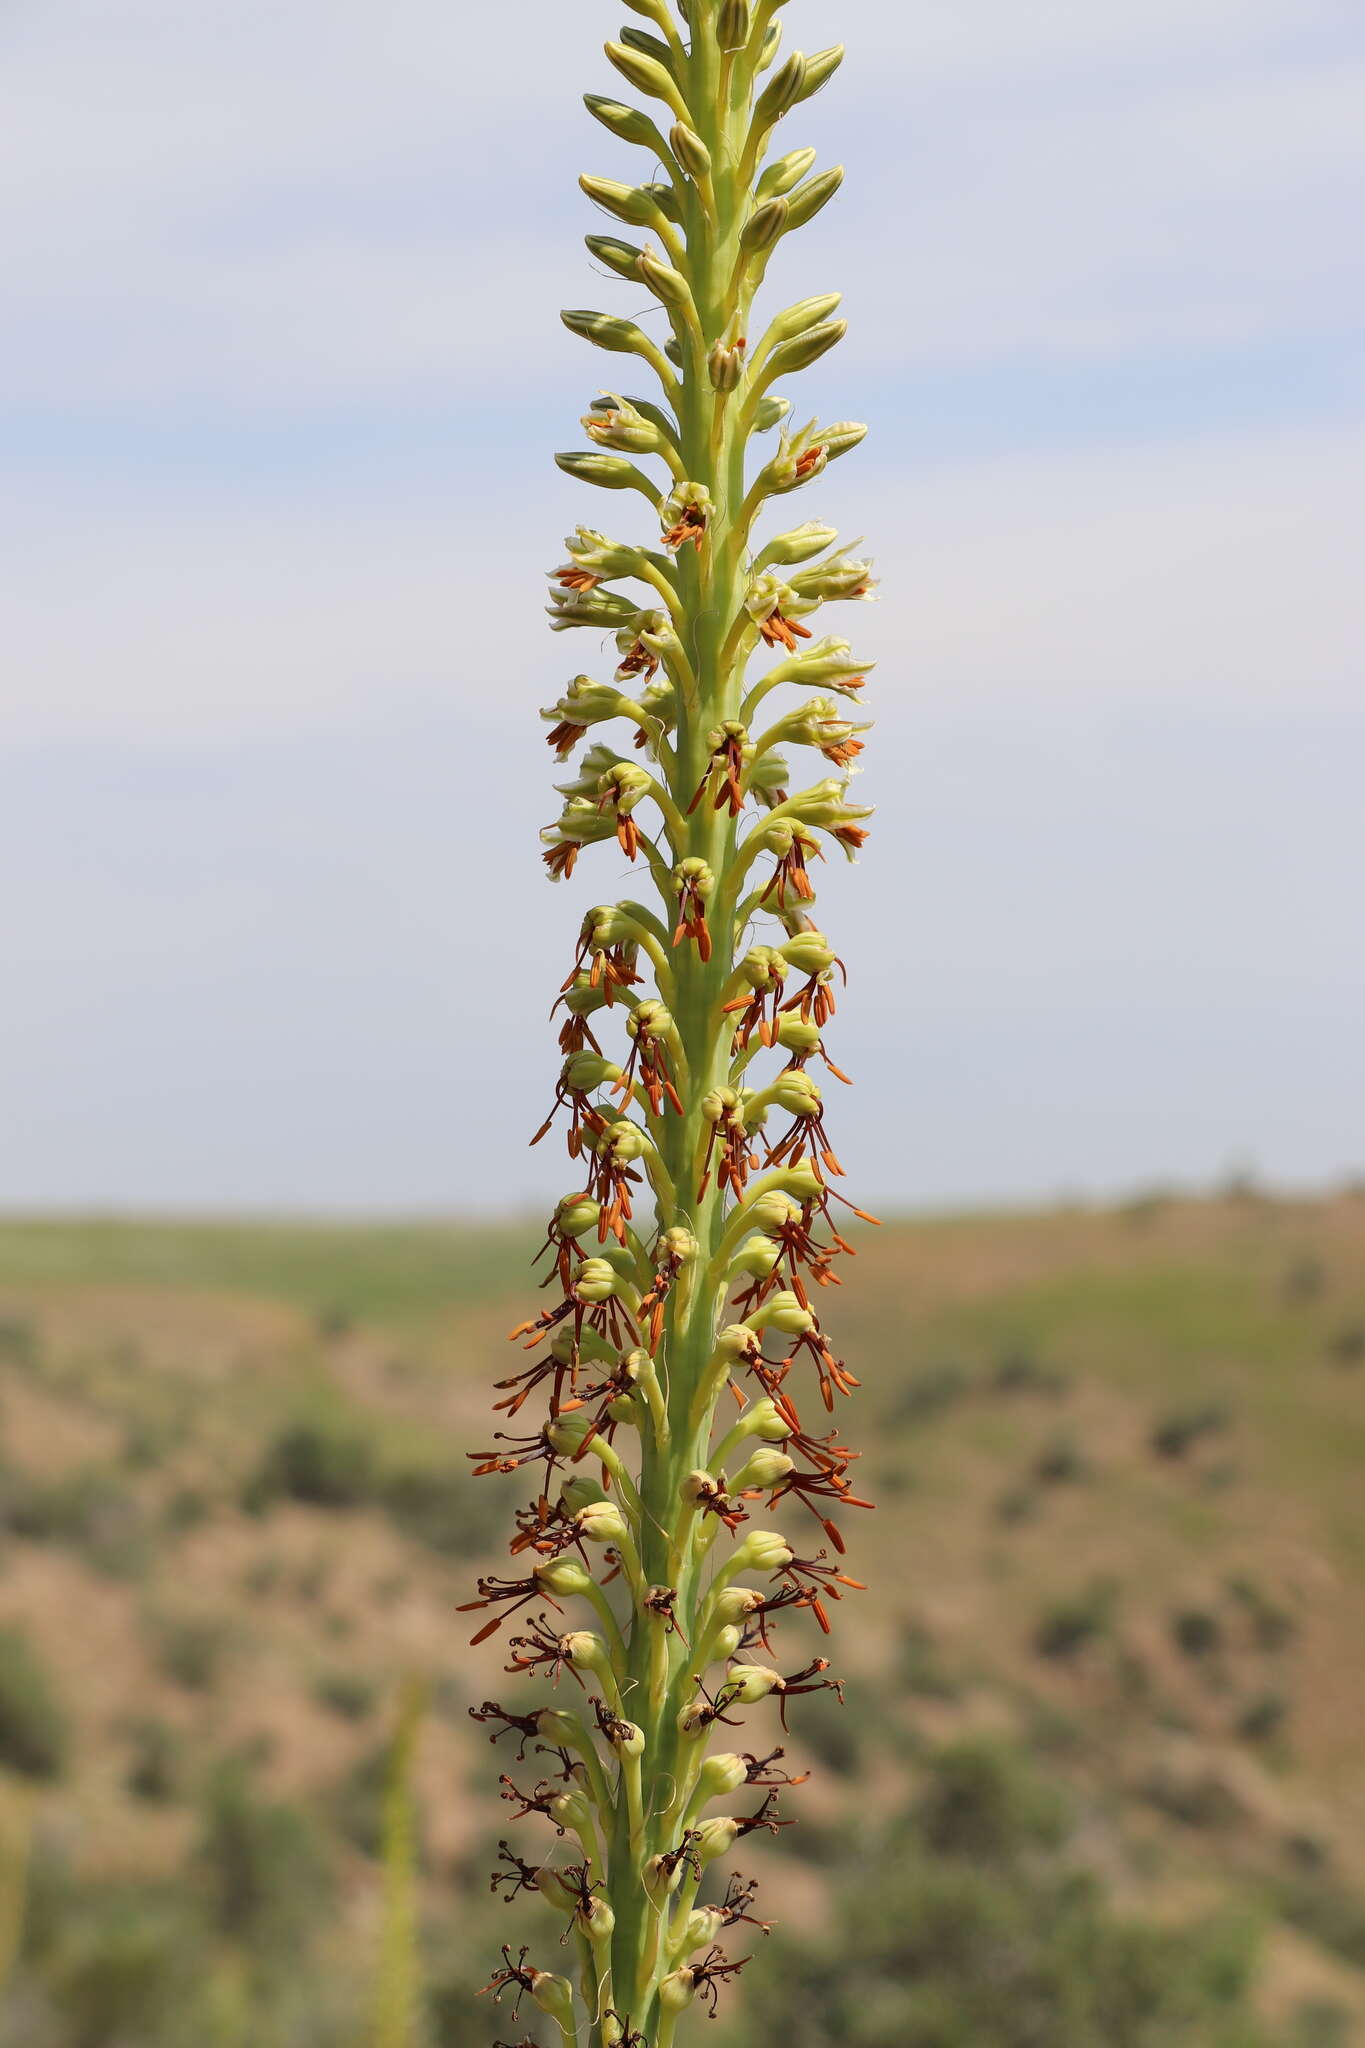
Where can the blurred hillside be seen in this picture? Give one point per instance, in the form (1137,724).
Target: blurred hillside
(1100,1777)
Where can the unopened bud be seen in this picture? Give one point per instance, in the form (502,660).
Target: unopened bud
(608,472)
(553,1994)
(820,68)
(803,350)
(690,151)
(629,123)
(781,92)
(579,1491)
(764,226)
(669,286)
(561,1577)
(732,24)
(725,366)
(808,199)
(601,1522)
(783,174)
(764,1469)
(763,1550)
(749,1683)
(645,73)
(605,330)
(718,1838)
(784,1312)
(621,257)
(722,1773)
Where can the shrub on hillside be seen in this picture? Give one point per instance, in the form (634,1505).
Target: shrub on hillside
(33,1733)
(323,1463)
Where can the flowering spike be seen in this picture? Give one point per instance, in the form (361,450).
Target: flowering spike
(683,1265)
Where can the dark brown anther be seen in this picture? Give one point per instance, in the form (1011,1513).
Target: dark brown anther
(536,1801)
(739,1896)
(685,1852)
(766,1818)
(662,1602)
(761,1772)
(712,1971)
(524,1725)
(511,1973)
(542,1647)
(808,1680)
(496,1592)
(518,1877)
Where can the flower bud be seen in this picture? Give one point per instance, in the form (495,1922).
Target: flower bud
(596,1281)
(797,1094)
(567,1434)
(747,1684)
(660,1878)
(763,226)
(845,434)
(551,1886)
(808,199)
(803,541)
(757,1256)
(704,1924)
(728,1640)
(576,1215)
(721,1773)
(785,172)
(763,1550)
(765,1420)
(732,24)
(734,1604)
(677,1990)
(768,412)
(780,94)
(621,257)
(783,1312)
(601,1521)
(805,313)
(669,286)
(553,1994)
(609,472)
(580,1491)
(808,952)
(725,366)
(764,1469)
(820,68)
(561,1577)
(605,330)
(679,1245)
(689,150)
(772,1210)
(585,1651)
(718,1838)
(626,1738)
(803,350)
(629,123)
(635,203)
(645,73)
(596,1918)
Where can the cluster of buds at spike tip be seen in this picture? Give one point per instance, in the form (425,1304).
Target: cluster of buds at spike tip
(681,1384)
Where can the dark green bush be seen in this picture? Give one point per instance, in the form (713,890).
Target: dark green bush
(1178,1431)
(1068,1625)
(323,1463)
(1196,1632)
(349,1694)
(985,1800)
(262,1865)
(33,1732)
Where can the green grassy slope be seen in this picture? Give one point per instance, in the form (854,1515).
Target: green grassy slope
(1102,1748)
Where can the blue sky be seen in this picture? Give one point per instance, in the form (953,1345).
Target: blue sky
(280,370)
